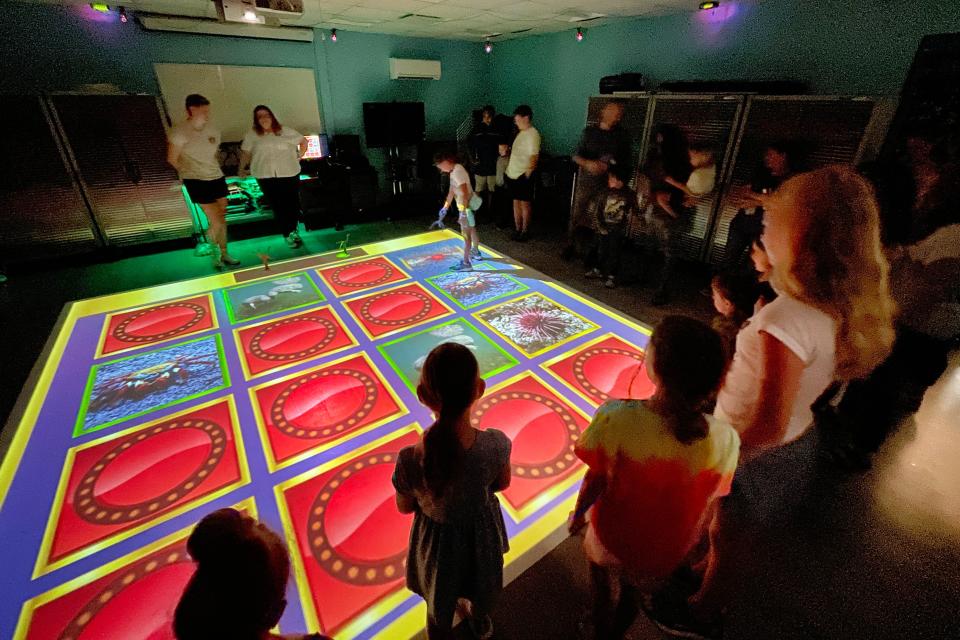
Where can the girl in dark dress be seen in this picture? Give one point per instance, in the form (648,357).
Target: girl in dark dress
(449,480)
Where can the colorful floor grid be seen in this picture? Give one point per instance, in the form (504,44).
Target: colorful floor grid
(287,393)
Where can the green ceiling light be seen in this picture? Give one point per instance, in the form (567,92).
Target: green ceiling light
(706,6)
(99,6)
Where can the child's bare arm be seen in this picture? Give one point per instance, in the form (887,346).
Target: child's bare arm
(593,486)
(663,199)
(405,503)
(503,480)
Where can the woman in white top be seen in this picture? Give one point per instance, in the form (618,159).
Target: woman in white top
(192,150)
(833,320)
(273,154)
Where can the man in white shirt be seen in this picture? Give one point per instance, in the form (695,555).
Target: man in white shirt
(523,162)
(192,150)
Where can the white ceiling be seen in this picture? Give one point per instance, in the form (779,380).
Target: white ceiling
(448,19)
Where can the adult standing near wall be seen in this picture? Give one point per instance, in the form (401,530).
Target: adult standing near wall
(485,151)
(273,154)
(523,162)
(601,145)
(192,150)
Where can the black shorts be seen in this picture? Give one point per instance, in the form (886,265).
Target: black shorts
(520,188)
(206,191)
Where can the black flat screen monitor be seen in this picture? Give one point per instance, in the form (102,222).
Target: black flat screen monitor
(393,124)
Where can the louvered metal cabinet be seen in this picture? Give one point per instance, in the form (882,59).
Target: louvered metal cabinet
(709,119)
(635,116)
(42,212)
(832,128)
(119,146)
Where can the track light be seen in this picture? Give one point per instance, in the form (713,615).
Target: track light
(706,6)
(250,15)
(333,35)
(487,46)
(579,34)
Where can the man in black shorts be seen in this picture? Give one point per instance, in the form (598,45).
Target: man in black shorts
(523,162)
(192,151)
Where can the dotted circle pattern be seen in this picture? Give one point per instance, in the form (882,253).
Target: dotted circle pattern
(581,360)
(350,570)
(120,331)
(138,571)
(559,463)
(335,276)
(89,507)
(281,422)
(263,354)
(425,309)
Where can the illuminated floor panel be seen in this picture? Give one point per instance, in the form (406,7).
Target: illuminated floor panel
(289,393)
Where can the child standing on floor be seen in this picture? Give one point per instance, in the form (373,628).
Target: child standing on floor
(449,481)
(461,191)
(612,210)
(656,467)
(735,295)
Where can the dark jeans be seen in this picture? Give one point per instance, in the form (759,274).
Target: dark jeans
(284,197)
(609,249)
(871,408)
(745,228)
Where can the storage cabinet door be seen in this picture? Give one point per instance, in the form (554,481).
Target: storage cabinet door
(119,145)
(705,119)
(42,212)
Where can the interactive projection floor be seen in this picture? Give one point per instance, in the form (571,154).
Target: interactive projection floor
(286,393)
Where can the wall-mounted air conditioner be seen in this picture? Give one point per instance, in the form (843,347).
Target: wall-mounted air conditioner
(401,69)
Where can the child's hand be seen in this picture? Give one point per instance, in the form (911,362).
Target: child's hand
(576,524)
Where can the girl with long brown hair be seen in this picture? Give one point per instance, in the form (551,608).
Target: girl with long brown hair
(449,480)
(273,152)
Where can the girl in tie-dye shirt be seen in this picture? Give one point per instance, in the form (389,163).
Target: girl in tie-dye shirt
(656,468)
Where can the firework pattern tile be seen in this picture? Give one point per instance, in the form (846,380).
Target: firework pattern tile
(132,386)
(534,323)
(473,288)
(407,354)
(158,323)
(265,297)
(107,491)
(350,539)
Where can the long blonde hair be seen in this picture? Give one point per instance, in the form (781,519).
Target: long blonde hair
(838,265)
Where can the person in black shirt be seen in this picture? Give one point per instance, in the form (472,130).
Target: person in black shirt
(484,151)
(601,146)
(781,160)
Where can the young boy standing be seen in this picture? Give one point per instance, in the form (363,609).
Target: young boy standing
(523,161)
(461,192)
(612,209)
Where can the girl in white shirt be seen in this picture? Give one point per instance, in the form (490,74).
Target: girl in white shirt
(273,154)
(833,320)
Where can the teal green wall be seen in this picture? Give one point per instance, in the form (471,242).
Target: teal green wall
(852,47)
(50,48)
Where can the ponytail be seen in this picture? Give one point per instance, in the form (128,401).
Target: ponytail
(447,385)
(689,362)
